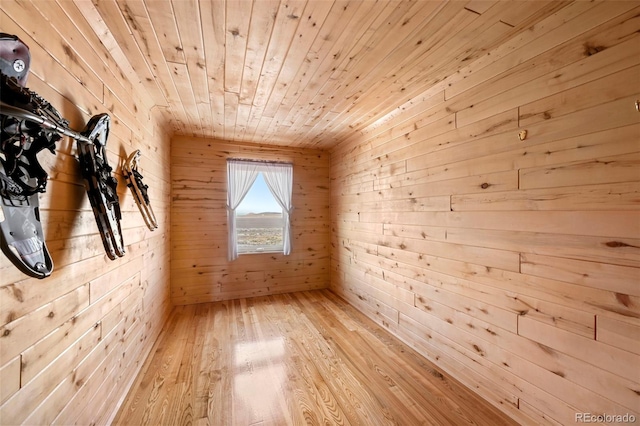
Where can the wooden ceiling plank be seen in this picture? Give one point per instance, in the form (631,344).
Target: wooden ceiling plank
(261,129)
(338,40)
(187,12)
(336,22)
(213,17)
(206,118)
(230,114)
(252,124)
(145,34)
(475,44)
(242,118)
(114,30)
(450,17)
(479,6)
(284,28)
(386,97)
(318,57)
(311,101)
(310,24)
(455,28)
(163,19)
(382,37)
(348,71)
(373,78)
(411,38)
(238,16)
(181,80)
(522,14)
(262,21)
(286,24)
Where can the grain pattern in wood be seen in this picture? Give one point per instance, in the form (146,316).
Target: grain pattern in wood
(200,268)
(292,359)
(56,327)
(538,336)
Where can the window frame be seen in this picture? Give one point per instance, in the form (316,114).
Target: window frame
(267,248)
(241,176)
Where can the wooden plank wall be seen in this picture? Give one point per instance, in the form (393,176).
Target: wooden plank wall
(71,344)
(514,265)
(200,271)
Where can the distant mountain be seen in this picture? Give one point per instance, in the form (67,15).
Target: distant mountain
(263,214)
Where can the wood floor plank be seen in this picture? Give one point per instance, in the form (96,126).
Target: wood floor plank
(311,402)
(353,397)
(291,359)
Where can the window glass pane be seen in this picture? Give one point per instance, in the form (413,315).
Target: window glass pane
(259,221)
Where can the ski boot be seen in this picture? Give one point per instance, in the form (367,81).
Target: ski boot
(100,184)
(139,189)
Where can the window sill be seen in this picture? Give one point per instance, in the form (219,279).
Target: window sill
(263,251)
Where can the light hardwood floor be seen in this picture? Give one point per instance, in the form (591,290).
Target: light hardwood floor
(292,359)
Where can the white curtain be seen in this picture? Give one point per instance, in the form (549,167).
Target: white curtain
(279,179)
(240,177)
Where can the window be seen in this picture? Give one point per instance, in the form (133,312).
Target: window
(259,206)
(259,220)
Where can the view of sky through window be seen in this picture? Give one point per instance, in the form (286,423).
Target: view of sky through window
(257,231)
(259,199)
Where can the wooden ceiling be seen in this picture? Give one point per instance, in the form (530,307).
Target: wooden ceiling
(302,73)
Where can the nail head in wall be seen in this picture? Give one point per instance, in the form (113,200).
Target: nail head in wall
(637,105)
(522,135)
